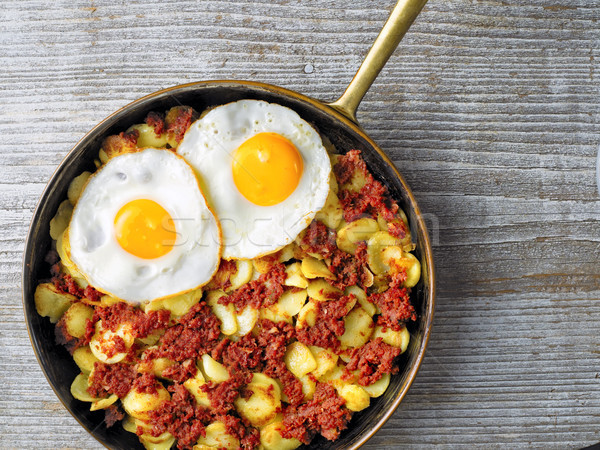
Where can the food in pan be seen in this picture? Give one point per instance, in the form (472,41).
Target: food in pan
(275,347)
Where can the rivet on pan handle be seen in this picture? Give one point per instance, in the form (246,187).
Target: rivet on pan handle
(400,20)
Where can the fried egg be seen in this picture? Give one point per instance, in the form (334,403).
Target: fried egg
(142,230)
(264,170)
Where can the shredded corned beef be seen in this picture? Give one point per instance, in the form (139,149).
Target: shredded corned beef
(223,394)
(319,239)
(373,197)
(221,279)
(258,293)
(67,285)
(372,360)
(178,121)
(349,270)
(181,417)
(181,371)
(396,307)
(324,414)
(108,379)
(142,323)
(329,324)
(196,333)
(145,383)
(112,415)
(156,121)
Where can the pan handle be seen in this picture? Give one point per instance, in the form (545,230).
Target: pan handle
(400,20)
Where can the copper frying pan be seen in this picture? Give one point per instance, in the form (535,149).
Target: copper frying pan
(338,122)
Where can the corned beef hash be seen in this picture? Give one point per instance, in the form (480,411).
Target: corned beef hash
(229,280)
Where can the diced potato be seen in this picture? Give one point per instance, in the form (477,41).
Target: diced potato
(379,387)
(315,268)
(225,313)
(214,370)
(357,182)
(353,232)
(63,248)
(61,219)
(194,385)
(155,365)
(267,381)
(299,359)
(115,145)
(138,404)
(322,291)
(361,297)
(79,389)
(262,406)
(270,438)
(147,136)
(375,246)
(84,358)
(246,320)
(359,327)
(274,315)
(128,424)
(399,260)
(288,252)
(76,318)
(50,302)
(309,386)
(217,437)
(332,212)
(307,315)
(103,403)
(244,272)
(163,445)
(333,377)
(76,187)
(103,342)
(290,303)
(294,276)
(398,339)
(326,360)
(177,304)
(356,397)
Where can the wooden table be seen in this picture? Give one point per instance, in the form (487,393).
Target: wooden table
(490,109)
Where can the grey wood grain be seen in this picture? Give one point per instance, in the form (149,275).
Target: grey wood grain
(491,110)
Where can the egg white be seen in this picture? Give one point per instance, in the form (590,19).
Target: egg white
(165,178)
(250,230)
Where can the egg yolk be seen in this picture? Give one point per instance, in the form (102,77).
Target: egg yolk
(145,229)
(267,169)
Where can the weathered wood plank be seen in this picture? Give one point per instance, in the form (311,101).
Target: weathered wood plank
(489,108)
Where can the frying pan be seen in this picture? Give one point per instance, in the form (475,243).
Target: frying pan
(338,122)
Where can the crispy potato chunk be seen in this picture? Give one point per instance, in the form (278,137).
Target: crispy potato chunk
(270,438)
(359,327)
(138,404)
(353,232)
(76,318)
(76,187)
(50,302)
(299,360)
(217,437)
(60,221)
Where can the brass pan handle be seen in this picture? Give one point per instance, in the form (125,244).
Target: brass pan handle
(400,20)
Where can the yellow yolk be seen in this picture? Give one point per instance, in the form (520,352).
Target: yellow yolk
(145,229)
(267,169)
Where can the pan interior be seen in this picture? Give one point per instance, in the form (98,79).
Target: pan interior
(56,362)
